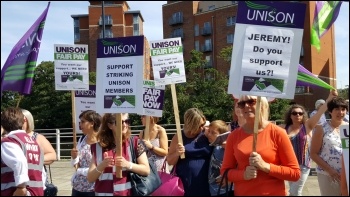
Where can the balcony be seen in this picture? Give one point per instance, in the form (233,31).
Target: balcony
(206,48)
(107,35)
(176,20)
(206,31)
(108,21)
(177,34)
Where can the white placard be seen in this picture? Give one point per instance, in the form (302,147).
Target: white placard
(119,75)
(71,67)
(167,61)
(84,100)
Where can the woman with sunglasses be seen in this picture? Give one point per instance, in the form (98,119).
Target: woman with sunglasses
(262,172)
(90,122)
(157,143)
(193,169)
(326,148)
(299,129)
(104,162)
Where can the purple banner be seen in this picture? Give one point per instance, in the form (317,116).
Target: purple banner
(120,47)
(18,71)
(153,98)
(269,13)
(91,93)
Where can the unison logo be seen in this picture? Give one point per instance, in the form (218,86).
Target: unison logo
(267,13)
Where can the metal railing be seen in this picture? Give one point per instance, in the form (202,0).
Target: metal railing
(62,138)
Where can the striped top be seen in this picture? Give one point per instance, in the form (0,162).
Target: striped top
(300,143)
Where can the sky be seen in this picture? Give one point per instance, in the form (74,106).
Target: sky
(18,16)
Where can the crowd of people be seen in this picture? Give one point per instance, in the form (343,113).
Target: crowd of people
(258,156)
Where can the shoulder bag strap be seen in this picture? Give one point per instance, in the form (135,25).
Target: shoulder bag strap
(49,173)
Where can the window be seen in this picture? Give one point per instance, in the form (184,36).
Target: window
(230,21)
(234,2)
(208,43)
(196,45)
(230,38)
(177,33)
(177,17)
(211,7)
(196,30)
(207,25)
(135,21)
(76,30)
(302,51)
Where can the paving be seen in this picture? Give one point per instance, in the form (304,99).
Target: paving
(62,173)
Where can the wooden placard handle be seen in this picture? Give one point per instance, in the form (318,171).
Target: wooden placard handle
(256,123)
(118,142)
(177,119)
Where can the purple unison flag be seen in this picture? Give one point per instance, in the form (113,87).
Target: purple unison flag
(18,71)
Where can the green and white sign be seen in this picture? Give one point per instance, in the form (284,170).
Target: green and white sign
(71,67)
(344,135)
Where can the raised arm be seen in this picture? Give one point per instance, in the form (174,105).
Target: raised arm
(312,122)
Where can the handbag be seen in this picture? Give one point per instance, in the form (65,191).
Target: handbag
(171,184)
(143,185)
(229,191)
(51,189)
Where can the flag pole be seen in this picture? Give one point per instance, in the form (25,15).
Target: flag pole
(19,100)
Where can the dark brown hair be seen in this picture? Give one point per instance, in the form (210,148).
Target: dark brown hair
(92,117)
(105,134)
(12,119)
(288,120)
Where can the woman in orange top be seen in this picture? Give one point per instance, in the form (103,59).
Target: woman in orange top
(262,172)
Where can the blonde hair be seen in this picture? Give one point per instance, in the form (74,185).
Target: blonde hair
(220,125)
(192,120)
(264,106)
(30,119)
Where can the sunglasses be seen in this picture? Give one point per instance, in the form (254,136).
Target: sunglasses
(294,113)
(250,102)
(127,121)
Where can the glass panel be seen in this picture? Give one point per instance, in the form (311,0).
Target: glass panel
(196,30)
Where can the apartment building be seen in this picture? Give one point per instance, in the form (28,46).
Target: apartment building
(209,26)
(119,21)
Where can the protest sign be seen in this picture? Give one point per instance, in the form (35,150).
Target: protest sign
(71,67)
(153,99)
(84,100)
(167,61)
(119,75)
(266,52)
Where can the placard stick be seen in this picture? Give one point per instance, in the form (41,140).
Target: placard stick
(19,100)
(118,142)
(256,123)
(146,131)
(73,119)
(177,119)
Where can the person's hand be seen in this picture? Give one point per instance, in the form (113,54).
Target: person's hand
(148,144)
(256,161)
(74,153)
(108,161)
(250,173)
(335,176)
(180,149)
(20,191)
(223,145)
(332,94)
(120,161)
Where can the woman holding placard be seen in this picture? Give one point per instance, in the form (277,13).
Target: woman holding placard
(262,172)
(193,169)
(157,143)
(102,169)
(90,122)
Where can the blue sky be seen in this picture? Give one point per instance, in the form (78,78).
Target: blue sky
(18,16)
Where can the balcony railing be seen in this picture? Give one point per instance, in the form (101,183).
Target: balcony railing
(206,31)
(176,34)
(107,35)
(176,20)
(206,48)
(108,21)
